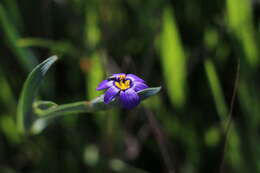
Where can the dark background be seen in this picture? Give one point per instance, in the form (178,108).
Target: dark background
(195,49)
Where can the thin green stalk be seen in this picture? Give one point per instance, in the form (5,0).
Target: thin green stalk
(51,114)
(72,108)
(216,89)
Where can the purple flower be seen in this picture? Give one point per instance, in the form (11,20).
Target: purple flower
(124,86)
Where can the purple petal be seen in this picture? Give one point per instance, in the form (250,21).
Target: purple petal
(104,85)
(110,94)
(138,86)
(134,78)
(129,98)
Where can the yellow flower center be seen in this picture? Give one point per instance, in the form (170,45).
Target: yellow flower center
(123,84)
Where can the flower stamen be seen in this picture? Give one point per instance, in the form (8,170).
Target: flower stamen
(123,84)
(122,77)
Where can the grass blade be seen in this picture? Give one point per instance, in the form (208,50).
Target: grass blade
(216,89)
(239,17)
(25,57)
(173,60)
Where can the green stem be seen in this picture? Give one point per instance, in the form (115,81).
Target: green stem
(89,106)
(71,108)
(43,116)
(46,116)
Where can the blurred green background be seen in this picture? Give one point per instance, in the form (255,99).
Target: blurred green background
(194,49)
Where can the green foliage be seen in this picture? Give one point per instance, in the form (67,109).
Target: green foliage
(95,74)
(173,59)
(216,89)
(239,16)
(195,50)
(11,34)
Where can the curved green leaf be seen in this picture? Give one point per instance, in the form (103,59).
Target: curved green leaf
(31,86)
